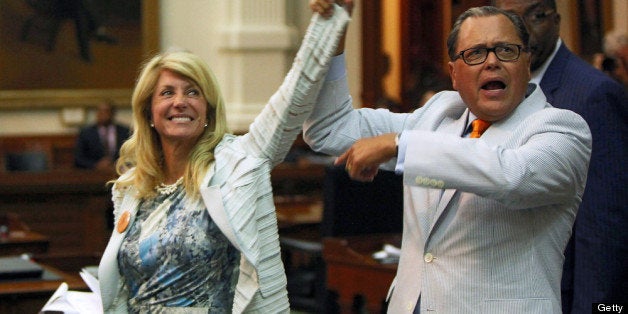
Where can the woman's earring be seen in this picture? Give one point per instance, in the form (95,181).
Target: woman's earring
(152,125)
(205,124)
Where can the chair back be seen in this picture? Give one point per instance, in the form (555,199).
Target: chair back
(357,208)
(26,161)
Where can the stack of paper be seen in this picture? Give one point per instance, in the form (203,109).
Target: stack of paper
(76,302)
(19,267)
(388,255)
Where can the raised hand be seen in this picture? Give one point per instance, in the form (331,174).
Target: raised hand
(326,8)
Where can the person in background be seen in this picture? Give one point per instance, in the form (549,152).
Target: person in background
(386,101)
(594,269)
(195,225)
(98,145)
(614,58)
(493,174)
(424,80)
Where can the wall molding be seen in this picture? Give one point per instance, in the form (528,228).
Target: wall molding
(61,98)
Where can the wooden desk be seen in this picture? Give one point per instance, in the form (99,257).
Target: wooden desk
(29,296)
(298,178)
(294,211)
(298,193)
(71,207)
(23,241)
(351,270)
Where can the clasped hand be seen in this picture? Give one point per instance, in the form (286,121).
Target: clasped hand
(362,160)
(325,7)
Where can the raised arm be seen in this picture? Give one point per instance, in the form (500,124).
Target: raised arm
(275,128)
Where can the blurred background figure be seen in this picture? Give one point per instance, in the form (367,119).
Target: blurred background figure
(386,101)
(98,144)
(88,17)
(593,271)
(614,58)
(425,80)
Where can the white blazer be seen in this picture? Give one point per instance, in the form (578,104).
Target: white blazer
(237,189)
(486,220)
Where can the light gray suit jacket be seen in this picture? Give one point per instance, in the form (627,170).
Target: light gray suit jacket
(237,189)
(486,220)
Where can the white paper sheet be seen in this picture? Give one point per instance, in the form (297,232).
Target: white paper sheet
(76,302)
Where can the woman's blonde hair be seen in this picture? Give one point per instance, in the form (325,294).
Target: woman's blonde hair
(143,149)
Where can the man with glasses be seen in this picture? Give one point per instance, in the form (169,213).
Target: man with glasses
(503,52)
(487,214)
(594,269)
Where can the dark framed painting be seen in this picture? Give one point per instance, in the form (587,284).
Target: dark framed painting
(69,53)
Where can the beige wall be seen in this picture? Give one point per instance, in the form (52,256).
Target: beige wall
(620,15)
(390,40)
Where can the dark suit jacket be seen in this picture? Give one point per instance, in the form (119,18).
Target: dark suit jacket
(594,269)
(89,149)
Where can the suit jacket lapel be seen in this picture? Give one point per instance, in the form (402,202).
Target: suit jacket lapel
(458,127)
(552,78)
(108,271)
(212,198)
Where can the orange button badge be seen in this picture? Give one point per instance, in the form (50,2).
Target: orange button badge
(123,222)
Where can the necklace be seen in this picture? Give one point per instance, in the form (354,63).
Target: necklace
(167,189)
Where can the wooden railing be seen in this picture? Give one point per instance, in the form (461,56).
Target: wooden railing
(73,208)
(58,149)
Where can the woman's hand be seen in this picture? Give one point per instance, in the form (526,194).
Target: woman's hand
(326,8)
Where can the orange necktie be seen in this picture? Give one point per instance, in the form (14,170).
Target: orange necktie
(478,127)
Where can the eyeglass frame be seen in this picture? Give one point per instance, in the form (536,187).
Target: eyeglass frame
(520,48)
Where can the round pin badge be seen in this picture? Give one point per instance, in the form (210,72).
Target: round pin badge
(123,222)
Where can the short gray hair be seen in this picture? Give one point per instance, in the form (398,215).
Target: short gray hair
(452,40)
(614,41)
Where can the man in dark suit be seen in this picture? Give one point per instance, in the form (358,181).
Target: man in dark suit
(98,145)
(594,269)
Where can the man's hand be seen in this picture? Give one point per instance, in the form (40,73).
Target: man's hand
(362,160)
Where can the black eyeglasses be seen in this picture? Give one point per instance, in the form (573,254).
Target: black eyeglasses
(537,17)
(477,55)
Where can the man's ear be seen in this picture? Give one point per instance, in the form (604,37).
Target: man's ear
(452,74)
(529,64)
(557,19)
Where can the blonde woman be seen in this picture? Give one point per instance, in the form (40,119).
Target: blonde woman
(195,225)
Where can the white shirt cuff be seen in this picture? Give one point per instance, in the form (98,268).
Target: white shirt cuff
(401,153)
